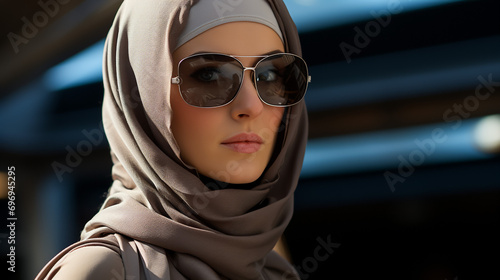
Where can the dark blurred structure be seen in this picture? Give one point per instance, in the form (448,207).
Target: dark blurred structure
(398,182)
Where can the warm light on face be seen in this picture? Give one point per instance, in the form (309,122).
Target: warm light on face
(232,143)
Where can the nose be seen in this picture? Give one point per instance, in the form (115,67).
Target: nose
(247,104)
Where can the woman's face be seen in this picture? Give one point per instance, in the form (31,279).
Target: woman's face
(206,136)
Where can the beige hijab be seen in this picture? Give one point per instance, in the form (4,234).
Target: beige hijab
(166,222)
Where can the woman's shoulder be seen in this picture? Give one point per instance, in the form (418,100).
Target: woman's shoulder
(90,259)
(91,262)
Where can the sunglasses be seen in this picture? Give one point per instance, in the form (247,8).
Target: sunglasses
(211,80)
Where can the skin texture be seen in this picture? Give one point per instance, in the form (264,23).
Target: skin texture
(199,132)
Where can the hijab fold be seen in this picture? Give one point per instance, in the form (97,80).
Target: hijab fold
(166,222)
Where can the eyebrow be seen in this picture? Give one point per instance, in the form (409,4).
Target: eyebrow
(265,54)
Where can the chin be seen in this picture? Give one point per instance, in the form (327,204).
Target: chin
(244,180)
(245,176)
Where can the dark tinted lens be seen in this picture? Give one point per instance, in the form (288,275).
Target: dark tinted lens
(209,80)
(281,79)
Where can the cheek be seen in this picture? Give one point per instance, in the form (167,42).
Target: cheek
(192,119)
(193,128)
(277,117)
(187,118)
(273,117)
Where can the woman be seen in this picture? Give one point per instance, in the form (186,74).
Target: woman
(203,111)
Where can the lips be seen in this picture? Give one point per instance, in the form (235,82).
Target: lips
(246,143)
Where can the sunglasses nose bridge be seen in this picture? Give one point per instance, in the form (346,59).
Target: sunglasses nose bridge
(252,80)
(252,76)
(249,69)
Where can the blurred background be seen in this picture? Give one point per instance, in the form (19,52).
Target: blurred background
(401,178)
